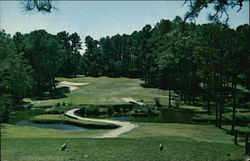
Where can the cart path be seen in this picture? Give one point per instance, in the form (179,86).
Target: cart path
(124,126)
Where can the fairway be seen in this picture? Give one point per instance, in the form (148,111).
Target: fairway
(105,90)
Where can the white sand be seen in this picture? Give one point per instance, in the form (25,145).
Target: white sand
(72,86)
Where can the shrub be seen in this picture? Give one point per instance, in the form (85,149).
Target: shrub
(157,102)
(177,102)
(144,110)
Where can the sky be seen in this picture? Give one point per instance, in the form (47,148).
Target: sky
(101,18)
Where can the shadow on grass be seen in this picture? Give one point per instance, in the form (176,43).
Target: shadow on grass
(146,85)
(240,136)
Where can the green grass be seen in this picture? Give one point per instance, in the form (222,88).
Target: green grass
(104,90)
(243,118)
(110,91)
(207,133)
(184,142)
(181,141)
(46,119)
(177,148)
(191,108)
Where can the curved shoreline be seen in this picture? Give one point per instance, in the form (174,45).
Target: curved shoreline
(124,126)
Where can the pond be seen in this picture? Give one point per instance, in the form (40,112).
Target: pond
(51,126)
(22,119)
(24,115)
(166,116)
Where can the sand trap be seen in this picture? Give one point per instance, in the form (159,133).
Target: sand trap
(72,86)
(129,100)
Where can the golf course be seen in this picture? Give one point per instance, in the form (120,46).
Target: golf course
(182,141)
(124,80)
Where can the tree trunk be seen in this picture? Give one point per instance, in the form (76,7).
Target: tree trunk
(216,115)
(234,104)
(221,101)
(169,92)
(208,101)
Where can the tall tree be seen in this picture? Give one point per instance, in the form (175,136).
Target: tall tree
(44,53)
(15,76)
(76,45)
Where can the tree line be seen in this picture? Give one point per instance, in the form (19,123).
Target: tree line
(29,64)
(203,64)
(200,63)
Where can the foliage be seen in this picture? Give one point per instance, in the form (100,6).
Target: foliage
(39,5)
(220,8)
(71,58)
(157,102)
(144,110)
(44,53)
(88,109)
(15,76)
(198,65)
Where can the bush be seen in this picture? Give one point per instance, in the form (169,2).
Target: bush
(59,108)
(4,114)
(157,102)
(144,110)
(5,107)
(177,102)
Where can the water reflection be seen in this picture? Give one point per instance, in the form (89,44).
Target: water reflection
(22,118)
(51,126)
(166,116)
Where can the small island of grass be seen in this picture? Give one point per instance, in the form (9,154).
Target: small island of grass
(55,118)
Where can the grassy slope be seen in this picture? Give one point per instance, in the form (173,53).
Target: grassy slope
(182,142)
(177,148)
(104,90)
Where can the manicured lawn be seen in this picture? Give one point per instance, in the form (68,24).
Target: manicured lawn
(104,90)
(182,142)
(177,148)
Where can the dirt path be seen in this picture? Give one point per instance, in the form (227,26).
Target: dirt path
(124,126)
